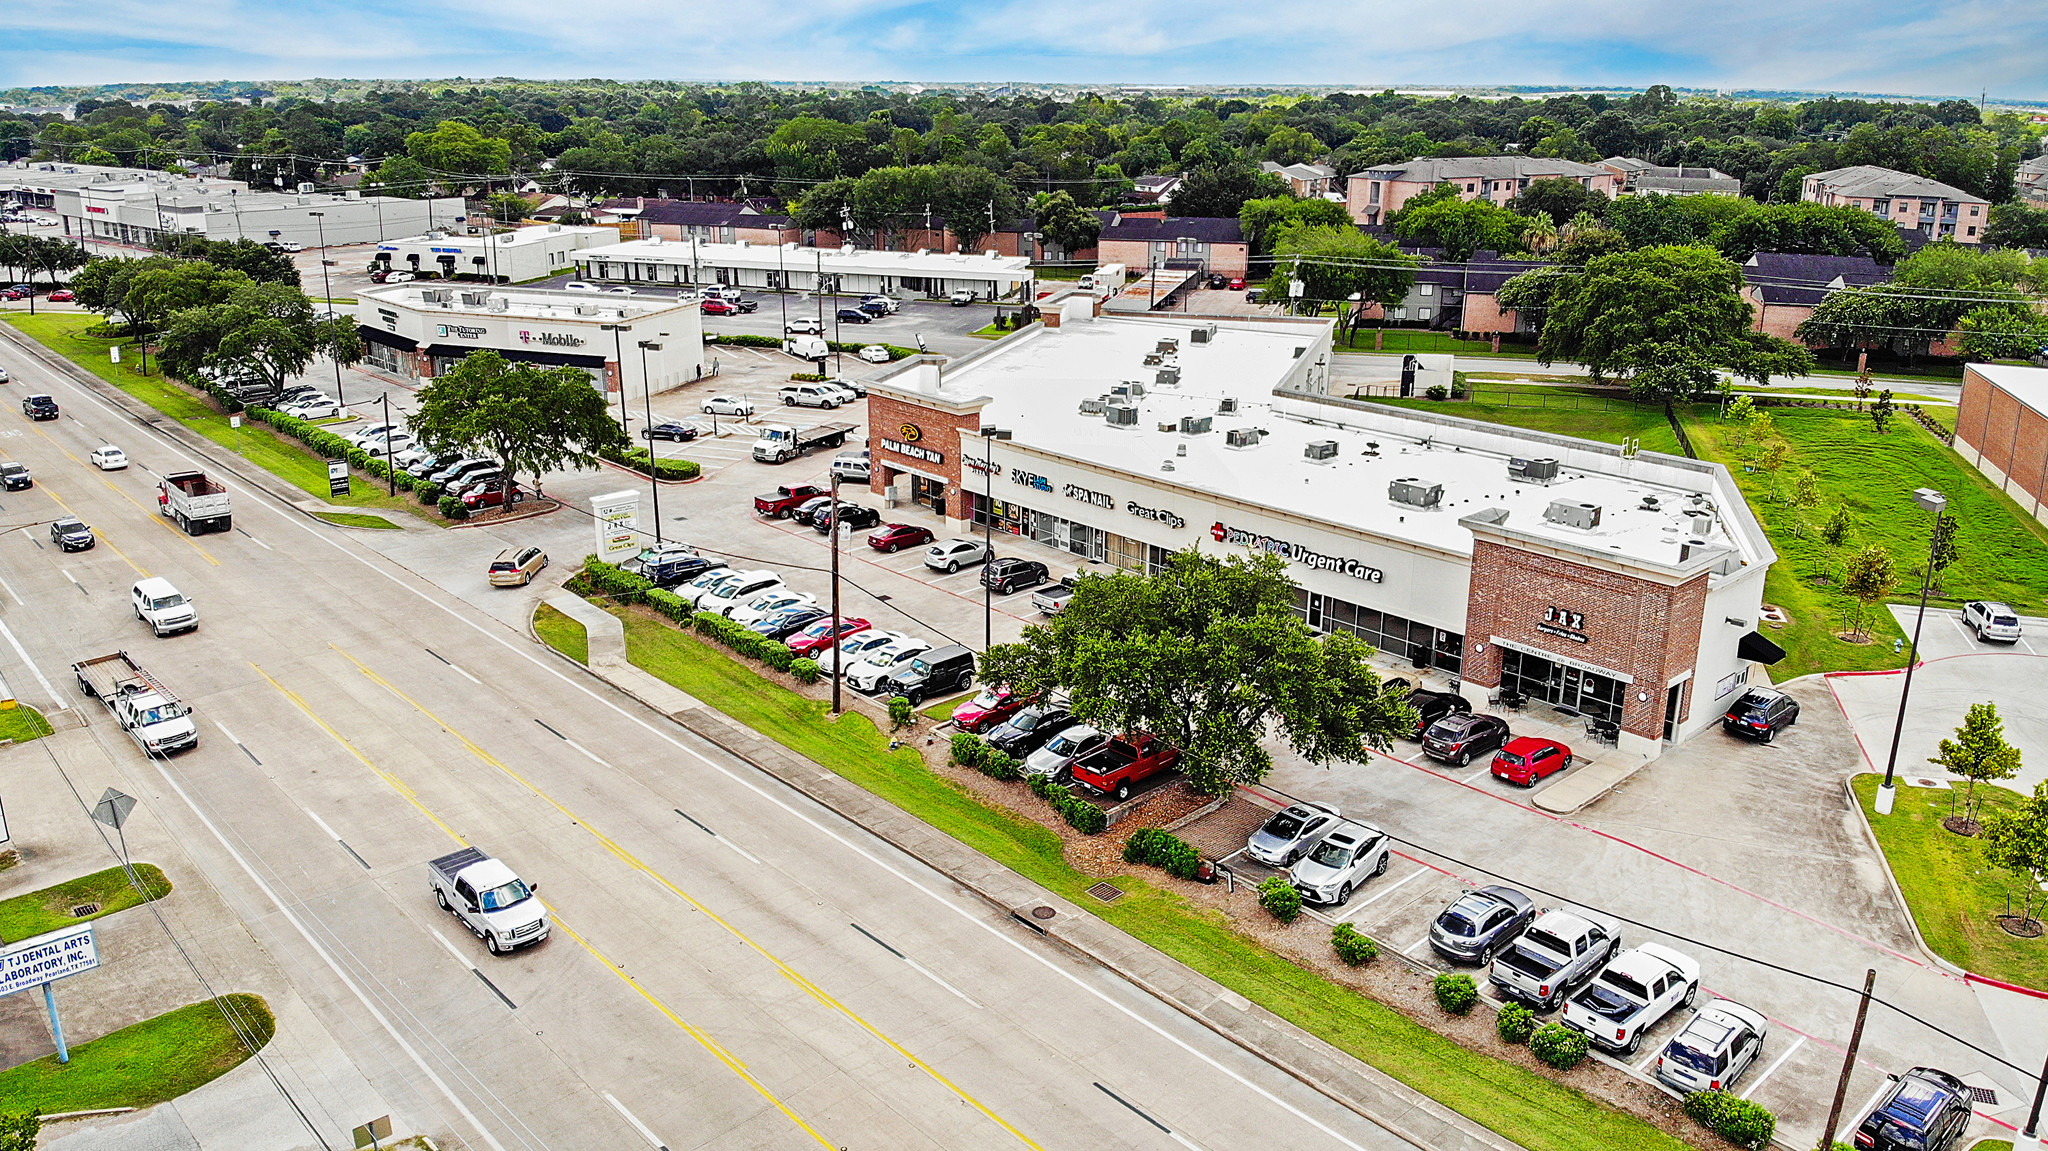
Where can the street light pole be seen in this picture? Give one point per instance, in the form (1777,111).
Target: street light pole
(832,542)
(327,289)
(619,358)
(1933,501)
(653,472)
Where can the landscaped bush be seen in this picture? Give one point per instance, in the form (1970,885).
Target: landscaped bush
(1438,392)
(1515,1023)
(1557,1045)
(808,377)
(1455,992)
(1352,946)
(1280,899)
(999,765)
(428,493)
(669,604)
(1163,849)
(746,341)
(1080,814)
(612,581)
(806,670)
(1739,1121)
(451,508)
(640,461)
(901,713)
(968,749)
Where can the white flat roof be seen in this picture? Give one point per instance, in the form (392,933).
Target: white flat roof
(795,258)
(2027,385)
(1037,379)
(527,303)
(517,238)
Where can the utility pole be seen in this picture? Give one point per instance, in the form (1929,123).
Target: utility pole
(653,472)
(619,358)
(390,467)
(2034,1115)
(838,656)
(1827,1133)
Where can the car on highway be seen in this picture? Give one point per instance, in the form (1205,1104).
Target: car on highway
(1055,758)
(790,620)
(867,675)
(516,567)
(1348,856)
(15,477)
(670,430)
(893,537)
(854,316)
(875,354)
(1924,1110)
(1528,759)
(1292,832)
(960,298)
(1479,923)
(935,672)
(1029,729)
(854,516)
(1559,951)
(1462,737)
(71,535)
(727,406)
(4,377)
(109,458)
(1431,706)
(990,707)
(719,308)
(759,607)
(853,649)
(816,638)
(1715,1049)
(1012,574)
(1760,714)
(951,555)
(617,290)
(1635,991)
(162,606)
(17,292)
(803,326)
(1992,621)
(39,407)
(313,408)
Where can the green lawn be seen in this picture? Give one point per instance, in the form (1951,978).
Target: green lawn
(22,723)
(144,1063)
(563,634)
(356,520)
(1950,890)
(50,908)
(1534,1111)
(1580,412)
(1417,340)
(289,460)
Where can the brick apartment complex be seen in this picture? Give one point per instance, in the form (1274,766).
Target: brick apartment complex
(1935,210)
(1197,243)
(1784,288)
(2002,428)
(1371,196)
(713,223)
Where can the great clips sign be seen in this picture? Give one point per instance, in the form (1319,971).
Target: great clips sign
(1295,553)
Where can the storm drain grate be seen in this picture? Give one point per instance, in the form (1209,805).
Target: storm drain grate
(1984,1095)
(84,909)
(1106,892)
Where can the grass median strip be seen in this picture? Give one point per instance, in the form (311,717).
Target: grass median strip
(563,634)
(143,1063)
(1536,1112)
(37,912)
(22,723)
(356,520)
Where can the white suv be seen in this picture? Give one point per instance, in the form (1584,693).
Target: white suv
(1341,863)
(950,556)
(1992,621)
(883,661)
(162,606)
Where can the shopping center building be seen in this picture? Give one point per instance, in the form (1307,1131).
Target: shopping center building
(850,270)
(1624,586)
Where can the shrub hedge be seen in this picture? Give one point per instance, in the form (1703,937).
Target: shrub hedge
(1352,946)
(1558,1045)
(1739,1121)
(1081,815)
(1163,849)
(1515,1023)
(452,509)
(1455,992)
(806,670)
(1280,899)
(751,644)
(638,459)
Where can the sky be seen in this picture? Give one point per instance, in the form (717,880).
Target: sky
(1956,48)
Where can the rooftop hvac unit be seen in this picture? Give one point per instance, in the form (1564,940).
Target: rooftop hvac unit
(1320,450)
(1195,425)
(1092,407)
(586,309)
(1132,389)
(1203,334)
(1227,406)
(1120,415)
(1415,493)
(1168,426)
(1585,517)
(434,295)
(497,303)
(1241,437)
(1536,471)
(1167,345)
(474,299)
(1167,376)
(1701,524)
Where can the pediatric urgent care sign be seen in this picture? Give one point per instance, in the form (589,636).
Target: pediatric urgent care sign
(46,958)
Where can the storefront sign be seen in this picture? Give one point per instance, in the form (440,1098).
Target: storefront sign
(1099,499)
(911,433)
(45,958)
(914,452)
(1159,514)
(461,332)
(551,339)
(90,208)
(1031,479)
(1295,553)
(1569,625)
(617,517)
(985,467)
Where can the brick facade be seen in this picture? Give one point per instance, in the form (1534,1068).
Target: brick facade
(1648,630)
(1221,259)
(2006,439)
(937,431)
(1483,313)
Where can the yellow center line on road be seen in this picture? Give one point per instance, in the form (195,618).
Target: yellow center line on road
(633,861)
(100,535)
(717,1050)
(158,520)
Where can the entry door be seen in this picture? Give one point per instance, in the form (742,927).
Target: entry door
(1672,699)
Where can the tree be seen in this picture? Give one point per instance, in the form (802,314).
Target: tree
(2014,330)
(1064,222)
(1563,198)
(1222,189)
(264,332)
(1834,536)
(509,207)
(1460,227)
(1868,577)
(1771,461)
(1942,551)
(260,263)
(1805,497)
(18,1130)
(1336,263)
(400,176)
(154,293)
(1667,314)
(1978,753)
(2017,225)
(814,147)
(1881,410)
(49,254)
(454,148)
(1209,655)
(1530,294)
(1263,220)
(2017,840)
(530,418)
(1759,357)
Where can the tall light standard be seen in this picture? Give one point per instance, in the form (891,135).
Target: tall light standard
(1933,501)
(988,524)
(327,289)
(619,358)
(647,394)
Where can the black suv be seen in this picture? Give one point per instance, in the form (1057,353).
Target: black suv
(1760,713)
(1457,738)
(14,477)
(1028,730)
(670,571)
(1431,706)
(39,407)
(1012,573)
(1926,1110)
(854,516)
(936,672)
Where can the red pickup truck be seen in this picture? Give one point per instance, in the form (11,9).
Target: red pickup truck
(779,503)
(1123,763)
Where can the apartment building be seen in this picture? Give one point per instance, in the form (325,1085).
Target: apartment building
(1373,195)
(1935,210)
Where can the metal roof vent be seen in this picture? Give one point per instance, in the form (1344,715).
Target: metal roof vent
(1585,517)
(1195,425)
(1227,406)
(1092,407)
(1414,493)
(1319,450)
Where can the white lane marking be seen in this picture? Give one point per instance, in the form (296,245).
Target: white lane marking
(1410,949)
(1385,891)
(322,952)
(738,848)
(1775,1064)
(69,576)
(257,542)
(921,969)
(23,653)
(591,755)
(635,1121)
(1855,1117)
(12,592)
(323,824)
(452,949)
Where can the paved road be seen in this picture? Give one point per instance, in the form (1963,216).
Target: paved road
(784,982)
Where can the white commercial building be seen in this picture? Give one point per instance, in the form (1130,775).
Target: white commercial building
(514,257)
(420,330)
(848,270)
(1622,587)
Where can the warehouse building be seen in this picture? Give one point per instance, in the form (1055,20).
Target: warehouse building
(2002,429)
(513,257)
(847,270)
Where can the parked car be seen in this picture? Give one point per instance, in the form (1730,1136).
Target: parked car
(1237,283)
(364,435)
(1528,759)
(854,316)
(810,396)
(461,469)
(1348,856)
(1636,990)
(431,462)
(727,406)
(39,407)
(846,390)
(1218,282)
(1992,621)
(1027,730)
(1458,738)
(579,286)
(474,481)
(745,304)
(1431,706)
(1559,951)
(1055,759)
(718,308)
(1116,768)
(950,555)
(1478,924)
(1760,714)
(109,458)
(669,571)
(960,298)
(991,707)
(936,672)
(291,246)
(389,444)
(883,662)
(874,354)
(516,567)
(617,290)
(317,408)
(893,537)
(752,608)
(881,305)
(695,590)
(783,502)
(399,278)
(1715,1049)
(817,637)
(852,466)
(62,296)
(15,477)
(671,431)
(719,593)
(854,516)
(803,512)
(853,649)
(790,620)
(803,326)
(1926,1110)
(1291,832)
(492,495)
(1012,573)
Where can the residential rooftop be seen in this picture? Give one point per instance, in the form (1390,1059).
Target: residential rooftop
(1870,180)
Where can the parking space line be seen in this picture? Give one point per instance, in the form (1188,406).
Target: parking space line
(1775,1064)
(1850,1119)
(1384,892)
(1409,950)
(1484,771)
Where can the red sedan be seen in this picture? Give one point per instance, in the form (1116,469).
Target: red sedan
(491,496)
(818,636)
(893,537)
(991,707)
(1529,758)
(62,296)
(719,308)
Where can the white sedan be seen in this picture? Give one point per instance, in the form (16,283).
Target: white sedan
(109,458)
(875,354)
(618,290)
(766,604)
(318,408)
(400,278)
(727,406)
(390,445)
(855,649)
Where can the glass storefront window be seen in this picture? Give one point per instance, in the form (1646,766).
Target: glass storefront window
(1587,693)
(1399,639)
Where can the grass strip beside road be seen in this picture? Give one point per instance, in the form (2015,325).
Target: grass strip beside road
(143,1063)
(22,723)
(47,910)
(1951,891)
(563,634)
(356,520)
(1536,1112)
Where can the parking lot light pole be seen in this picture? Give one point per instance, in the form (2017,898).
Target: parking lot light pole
(1933,501)
(327,289)
(832,542)
(653,472)
(989,435)
(619,358)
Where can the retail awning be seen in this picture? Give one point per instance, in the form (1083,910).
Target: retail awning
(518,355)
(1756,649)
(388,339)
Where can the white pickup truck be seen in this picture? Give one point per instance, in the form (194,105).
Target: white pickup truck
(1636,989)
(152,716)
(489,899)
(1561,950)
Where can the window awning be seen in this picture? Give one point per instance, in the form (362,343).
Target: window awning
(1756,649)
(518,355)
(388,339)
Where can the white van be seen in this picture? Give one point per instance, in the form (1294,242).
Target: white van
(163,607)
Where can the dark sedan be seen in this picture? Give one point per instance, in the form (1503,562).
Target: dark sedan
(1480,923)
(1458,738)
(1431,706)
(854,316)
(893,537)
(671,431)
(854,516)
(1027,731)
(1012,574)
(789,621)
(810,507)
(70,534)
